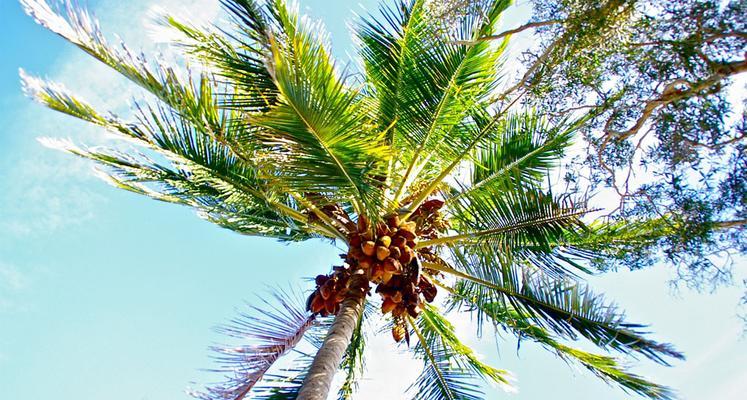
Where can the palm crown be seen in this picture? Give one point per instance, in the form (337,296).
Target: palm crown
(433,186)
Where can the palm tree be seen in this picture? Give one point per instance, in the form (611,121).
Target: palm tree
(437,192)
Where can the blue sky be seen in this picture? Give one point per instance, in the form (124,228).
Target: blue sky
(107,295)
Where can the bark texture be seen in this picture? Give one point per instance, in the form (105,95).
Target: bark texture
(328,358)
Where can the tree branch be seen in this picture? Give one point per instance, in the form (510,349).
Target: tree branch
(503,34)
(673,92)
(731,224)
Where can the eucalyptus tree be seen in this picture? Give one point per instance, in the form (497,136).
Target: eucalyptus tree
(438,192)
(668,139)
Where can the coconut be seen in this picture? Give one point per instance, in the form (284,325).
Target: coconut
(368,247)
(377,273)
(326,291)
(382,229)
(407,234)
(387,306)
(317,304)
(385,241)
(398,333)
(393,221)
(397,297)
(382,253)
(407,255)
(392,265)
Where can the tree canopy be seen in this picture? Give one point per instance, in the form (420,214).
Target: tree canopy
(435,183)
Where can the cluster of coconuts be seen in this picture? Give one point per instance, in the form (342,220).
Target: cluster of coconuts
(384,254)
(332,289)
(383,251)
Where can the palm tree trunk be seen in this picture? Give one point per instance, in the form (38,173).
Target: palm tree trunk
(328,358)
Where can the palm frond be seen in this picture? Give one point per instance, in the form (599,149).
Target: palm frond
(285,383)
(439,379)
(319,131)
(623,238)
(424,82)
(521,224)
(521,155)
(607,368)
(239,57)
(486,126)
(79,28)
(436,328)
(271,331)
(222,178)
(562,306)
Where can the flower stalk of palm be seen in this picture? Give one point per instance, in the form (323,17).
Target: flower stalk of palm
(433,188)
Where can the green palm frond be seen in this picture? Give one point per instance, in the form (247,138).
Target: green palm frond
(607,368)
(194,157)
(486,127)
(439,379)
(565,307)
(440,333)
(390,47)
(320,132)
(618,239)
(270,332)
(240,57)
(79,28)
(521,155)
(522,224)
(511,219)
(425,83)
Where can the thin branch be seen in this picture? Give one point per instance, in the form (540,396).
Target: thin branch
(503,34)
(528,74)
(673,92)
(731,224)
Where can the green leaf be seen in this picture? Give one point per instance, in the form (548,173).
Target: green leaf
(353,363)
(425,83)
(238,57)
(439,379)
(607,368)
(440,333)
(320,133)
(522,154)
(565,307)
(199,172)
(520,224)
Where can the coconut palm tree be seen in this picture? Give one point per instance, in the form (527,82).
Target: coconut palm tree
(439,195)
